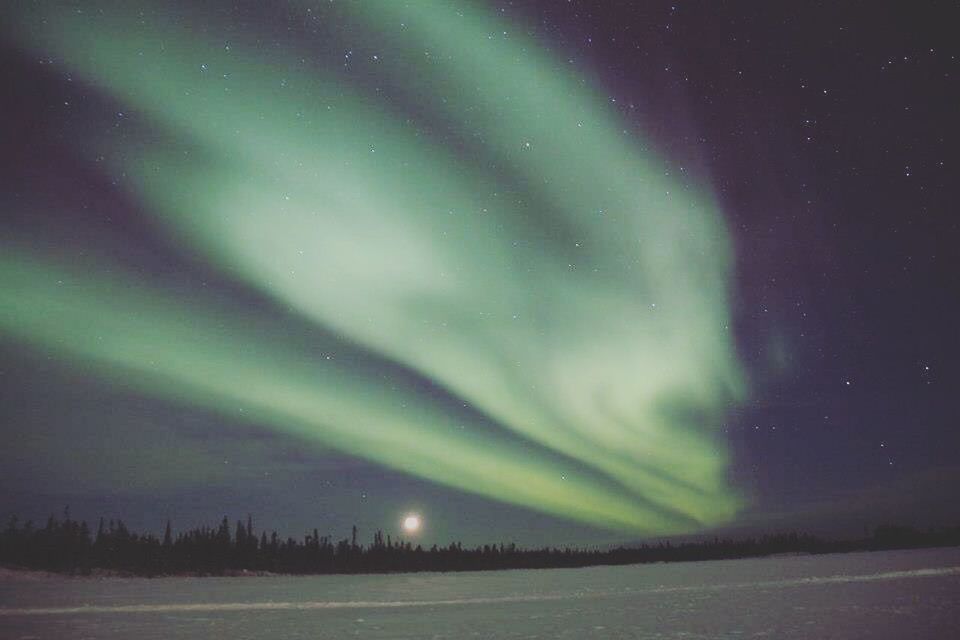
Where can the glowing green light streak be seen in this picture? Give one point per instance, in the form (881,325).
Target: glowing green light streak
(196,353)
(606,341)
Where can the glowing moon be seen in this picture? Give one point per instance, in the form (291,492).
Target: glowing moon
(411,524)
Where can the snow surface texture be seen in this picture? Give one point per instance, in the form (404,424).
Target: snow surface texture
(903,594)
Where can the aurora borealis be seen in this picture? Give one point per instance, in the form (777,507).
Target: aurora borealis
(583,309)
(433,243)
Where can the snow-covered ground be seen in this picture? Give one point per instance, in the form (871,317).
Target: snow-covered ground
(901,594)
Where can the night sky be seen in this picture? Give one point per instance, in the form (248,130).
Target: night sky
(549,272)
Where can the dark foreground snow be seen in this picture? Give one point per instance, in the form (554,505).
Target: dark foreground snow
(899,594)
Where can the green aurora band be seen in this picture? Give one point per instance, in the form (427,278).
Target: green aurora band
(463,205)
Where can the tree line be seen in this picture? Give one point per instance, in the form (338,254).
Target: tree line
(69,546)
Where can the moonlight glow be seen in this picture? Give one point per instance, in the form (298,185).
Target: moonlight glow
(474,215)
(412,523)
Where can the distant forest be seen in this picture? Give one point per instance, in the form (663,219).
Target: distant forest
(69,546)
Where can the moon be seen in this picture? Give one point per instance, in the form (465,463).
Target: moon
(412,523)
